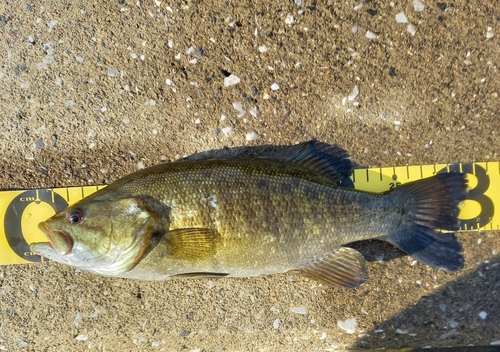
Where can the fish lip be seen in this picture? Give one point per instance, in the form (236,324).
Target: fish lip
(51,235)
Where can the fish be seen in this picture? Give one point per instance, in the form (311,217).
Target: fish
(285,212)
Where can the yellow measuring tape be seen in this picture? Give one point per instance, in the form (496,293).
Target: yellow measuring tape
(22,211)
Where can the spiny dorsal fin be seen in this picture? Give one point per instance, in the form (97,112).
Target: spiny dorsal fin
(329,160)
(343,268)
(193,243)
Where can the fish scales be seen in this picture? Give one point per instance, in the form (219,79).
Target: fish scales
(268,220)
(239,217)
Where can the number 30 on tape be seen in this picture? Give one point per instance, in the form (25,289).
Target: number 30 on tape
(22,211)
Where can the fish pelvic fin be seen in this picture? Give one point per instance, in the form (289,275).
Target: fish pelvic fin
(344,268)
(429,206)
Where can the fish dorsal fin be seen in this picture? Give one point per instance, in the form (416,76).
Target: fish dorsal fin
(329,160)
(343,268)
(193,243)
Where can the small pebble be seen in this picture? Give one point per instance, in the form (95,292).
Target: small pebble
(483,315)
(140,165)
(275,86)
(289,19)
(276,323)
(263,48)
(371,35)
(81,338)
(25,85)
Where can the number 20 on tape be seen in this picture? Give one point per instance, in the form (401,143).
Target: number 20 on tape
(22,211)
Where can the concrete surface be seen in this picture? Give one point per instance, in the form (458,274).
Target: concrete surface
(112,86)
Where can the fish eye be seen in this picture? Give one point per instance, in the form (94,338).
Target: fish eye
(75,216)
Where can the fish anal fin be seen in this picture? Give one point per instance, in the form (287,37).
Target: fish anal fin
(343,268)
(193,243)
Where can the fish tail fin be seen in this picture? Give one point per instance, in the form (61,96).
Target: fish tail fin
(428,206)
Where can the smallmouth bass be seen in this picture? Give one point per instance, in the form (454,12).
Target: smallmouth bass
(241,217)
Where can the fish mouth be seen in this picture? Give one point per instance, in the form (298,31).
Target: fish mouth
(61,242)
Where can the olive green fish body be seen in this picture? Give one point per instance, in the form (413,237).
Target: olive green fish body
(252,216)
(267,220)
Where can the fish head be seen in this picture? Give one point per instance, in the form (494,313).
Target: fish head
(106,237)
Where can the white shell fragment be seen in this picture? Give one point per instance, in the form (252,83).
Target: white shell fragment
(263,48)
(238,107)
(411,29)
(371,35)
(299,310)
(227,131)
(354,93)
(418,5)
(253,111)
(401,18)
(489,33)
(348,325)
(112,73)
(51,25)
(251,136)
(231,80)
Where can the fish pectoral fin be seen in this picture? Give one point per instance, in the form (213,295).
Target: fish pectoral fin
(344,268)
(200,275)
(193,243)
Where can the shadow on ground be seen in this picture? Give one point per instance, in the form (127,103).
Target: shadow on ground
(452,316)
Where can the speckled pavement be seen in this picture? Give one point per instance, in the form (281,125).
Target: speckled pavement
(91,91)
